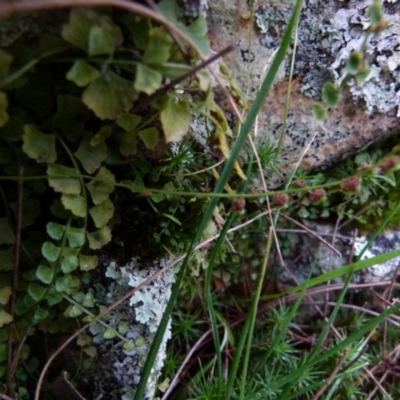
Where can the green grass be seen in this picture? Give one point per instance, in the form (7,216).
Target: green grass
(233,334)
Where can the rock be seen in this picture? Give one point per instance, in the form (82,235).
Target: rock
(329,31)
(306,251)
(137,320)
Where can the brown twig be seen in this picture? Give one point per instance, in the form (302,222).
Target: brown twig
(357,308)
(183,365)
(378,384)
(311,232)
(332,375)
(149,99)
(17,249)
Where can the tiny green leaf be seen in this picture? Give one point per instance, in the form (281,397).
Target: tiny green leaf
(102,213)
(45,274)
(21,307)
(109,95)
(128,122)
(39,146)
(78,27)
(99,238)
(55,230)
(5,318)
(75,311)
(354,63)
(103,134)
(127,142)
(83,340)
(110,333)
(175,119)
(103,40)
(69,264)
(149,137)
(88,301)
(63,283)
(75,203)
(158,46)
(198,33)
(75,237)
(147,79)
(82,73)
(68,251)
(50,251)
(29,301)
(123,327)
(5,294)
(92,32)
(4,116)
(129,346)
(90,156)
(53,297)
(36,291)
(6,233)
(330,94)
(87,263)
(303,213)
(319,112)
(101,186)
(40,314)
(91,351)
(376,13)
(363,74)
(62,179)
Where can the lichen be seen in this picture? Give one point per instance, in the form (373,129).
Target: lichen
(328,33)
(380,92)
(307,252)
(138,321)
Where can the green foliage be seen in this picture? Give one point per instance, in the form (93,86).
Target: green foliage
(67,117)
(85,114)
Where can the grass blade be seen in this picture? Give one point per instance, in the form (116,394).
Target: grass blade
(241,139)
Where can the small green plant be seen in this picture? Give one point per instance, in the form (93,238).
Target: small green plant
(88,115)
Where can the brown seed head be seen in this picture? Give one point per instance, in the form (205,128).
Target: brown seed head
(299,183)
(238,205)
(280,199)
(363,167)
(352,184)
(317,196)
(389,164)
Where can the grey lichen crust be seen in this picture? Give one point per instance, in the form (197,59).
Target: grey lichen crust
(345,34)
(307,252)
(328,31)
(138,321)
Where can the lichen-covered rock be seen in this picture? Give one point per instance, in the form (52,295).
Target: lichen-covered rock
(306,252)
(136,320)
(328,32)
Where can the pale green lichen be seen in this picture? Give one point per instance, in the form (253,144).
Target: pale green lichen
(328,33)
(138,321)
